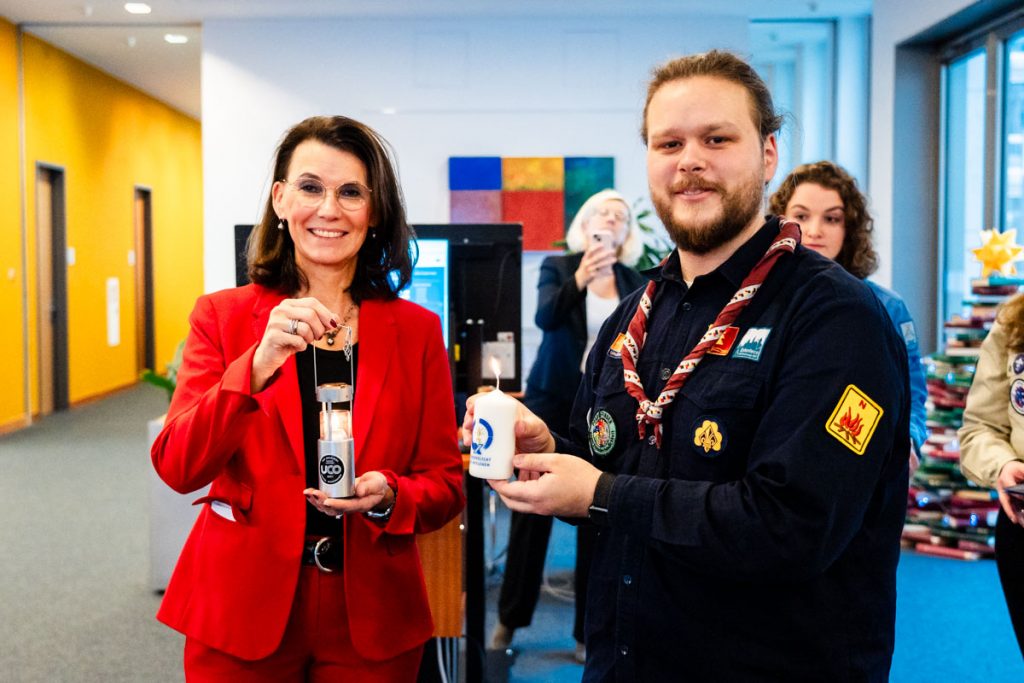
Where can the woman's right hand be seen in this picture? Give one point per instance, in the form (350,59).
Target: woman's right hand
(1011,475)
(597,262)
(279,340)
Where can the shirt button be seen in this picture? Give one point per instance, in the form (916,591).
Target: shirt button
(687,305)
(666,373)
(624,650)
(627,579)
(651,440)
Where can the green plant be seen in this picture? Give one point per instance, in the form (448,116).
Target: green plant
(656,245)
(169,380)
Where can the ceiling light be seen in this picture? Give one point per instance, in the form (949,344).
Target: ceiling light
(175,38)
(137,8)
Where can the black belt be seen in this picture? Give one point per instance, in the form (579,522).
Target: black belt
(323,553)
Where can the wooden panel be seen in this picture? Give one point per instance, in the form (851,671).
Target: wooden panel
(44,268)
(441,556)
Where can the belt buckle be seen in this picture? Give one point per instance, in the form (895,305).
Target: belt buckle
(316,555)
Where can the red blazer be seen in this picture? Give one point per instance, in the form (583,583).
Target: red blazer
(234,583)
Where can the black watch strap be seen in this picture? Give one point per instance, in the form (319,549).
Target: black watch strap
(598,512)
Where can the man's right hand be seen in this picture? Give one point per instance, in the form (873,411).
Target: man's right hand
(532,435)
(1011,475)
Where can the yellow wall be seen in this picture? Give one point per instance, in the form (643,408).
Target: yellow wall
(109,138)
(12,378)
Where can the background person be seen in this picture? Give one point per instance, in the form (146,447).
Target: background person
(277,582)
(833,215)
(739,436)
(992,445)
(575,293)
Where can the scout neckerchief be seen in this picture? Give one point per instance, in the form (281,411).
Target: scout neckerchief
(650,412)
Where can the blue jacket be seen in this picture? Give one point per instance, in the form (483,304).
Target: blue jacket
(900,317)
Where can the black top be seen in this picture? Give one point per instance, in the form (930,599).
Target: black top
(757,544)
(562,316)
(331,366)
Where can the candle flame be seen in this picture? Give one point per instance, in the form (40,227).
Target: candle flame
(496,369)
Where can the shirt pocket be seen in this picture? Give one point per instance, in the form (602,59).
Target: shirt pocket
(714,423)
(611,422)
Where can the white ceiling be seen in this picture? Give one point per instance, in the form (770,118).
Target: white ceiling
(132,48)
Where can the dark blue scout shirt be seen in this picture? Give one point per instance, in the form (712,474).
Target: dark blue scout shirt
(761,541)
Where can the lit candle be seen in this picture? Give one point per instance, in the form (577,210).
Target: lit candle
(494,438)
(335,448)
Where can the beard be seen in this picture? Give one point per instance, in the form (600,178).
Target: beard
(699,234)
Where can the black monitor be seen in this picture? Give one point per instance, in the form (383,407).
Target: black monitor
(485,298)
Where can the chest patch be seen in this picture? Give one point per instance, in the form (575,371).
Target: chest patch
(602,433)
(1017,396)
(752,343)
(723,345)
(615,350)
(854,419)
(1018,364)
(708,436)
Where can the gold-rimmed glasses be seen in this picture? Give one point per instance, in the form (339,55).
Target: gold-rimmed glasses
(310,192)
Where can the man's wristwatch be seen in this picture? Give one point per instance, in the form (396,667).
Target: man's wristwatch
(598,512)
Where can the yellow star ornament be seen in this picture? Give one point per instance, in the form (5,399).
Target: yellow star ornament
(998,252)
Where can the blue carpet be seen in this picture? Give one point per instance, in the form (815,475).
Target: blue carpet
(951,621)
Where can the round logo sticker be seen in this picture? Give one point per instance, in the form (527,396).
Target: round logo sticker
(708,437)
(483,435)
(602,433)
(1017,395)
(1018,364)
(331,469)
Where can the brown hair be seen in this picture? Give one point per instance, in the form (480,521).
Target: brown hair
(1011,316)
(383,266)
(857,255)
(725,65)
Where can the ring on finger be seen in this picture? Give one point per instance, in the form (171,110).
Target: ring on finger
(293,326)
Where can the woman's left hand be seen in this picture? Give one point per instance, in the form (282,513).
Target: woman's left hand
(371,491)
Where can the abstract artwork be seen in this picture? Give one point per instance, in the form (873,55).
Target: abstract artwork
(542,193)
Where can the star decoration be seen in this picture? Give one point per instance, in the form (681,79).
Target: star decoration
(998,252)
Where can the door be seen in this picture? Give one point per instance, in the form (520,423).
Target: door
(145,337)
(52,286)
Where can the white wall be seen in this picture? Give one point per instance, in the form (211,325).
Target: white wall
(505,87)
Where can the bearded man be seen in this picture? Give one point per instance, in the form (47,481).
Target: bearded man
(740,433)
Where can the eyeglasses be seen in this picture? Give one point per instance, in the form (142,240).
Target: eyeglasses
(620,216)
(310,192)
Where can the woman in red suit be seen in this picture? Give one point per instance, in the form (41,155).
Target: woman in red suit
(278,582)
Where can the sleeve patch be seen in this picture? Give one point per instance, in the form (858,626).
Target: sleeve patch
(854,419)
(908,331)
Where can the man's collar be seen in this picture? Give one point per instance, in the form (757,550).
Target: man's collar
(735,268)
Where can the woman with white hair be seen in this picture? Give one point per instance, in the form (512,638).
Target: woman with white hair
(575,293)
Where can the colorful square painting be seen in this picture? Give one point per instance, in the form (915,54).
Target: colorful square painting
(542,193)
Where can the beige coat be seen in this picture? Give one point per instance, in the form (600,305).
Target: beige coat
(993,430)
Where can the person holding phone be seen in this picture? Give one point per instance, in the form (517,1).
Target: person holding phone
(575,293)
(992,445)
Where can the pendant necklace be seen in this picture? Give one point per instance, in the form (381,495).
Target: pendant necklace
(352,308)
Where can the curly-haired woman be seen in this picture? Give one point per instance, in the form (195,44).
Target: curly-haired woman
(833,216)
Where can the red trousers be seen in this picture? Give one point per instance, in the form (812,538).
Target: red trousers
(316,646)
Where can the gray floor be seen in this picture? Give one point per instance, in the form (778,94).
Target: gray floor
(74,600)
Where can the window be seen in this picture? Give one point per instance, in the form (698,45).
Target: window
(964,174)
(1013,135)
(982,175)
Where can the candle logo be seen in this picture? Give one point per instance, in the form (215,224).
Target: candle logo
(331,469)
(483,436)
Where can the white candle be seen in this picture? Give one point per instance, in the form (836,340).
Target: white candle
(494,438)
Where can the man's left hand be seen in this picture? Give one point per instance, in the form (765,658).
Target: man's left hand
(550,484)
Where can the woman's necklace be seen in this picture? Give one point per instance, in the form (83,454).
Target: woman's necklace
(352,308)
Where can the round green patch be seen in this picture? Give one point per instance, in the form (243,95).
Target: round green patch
(602,433)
